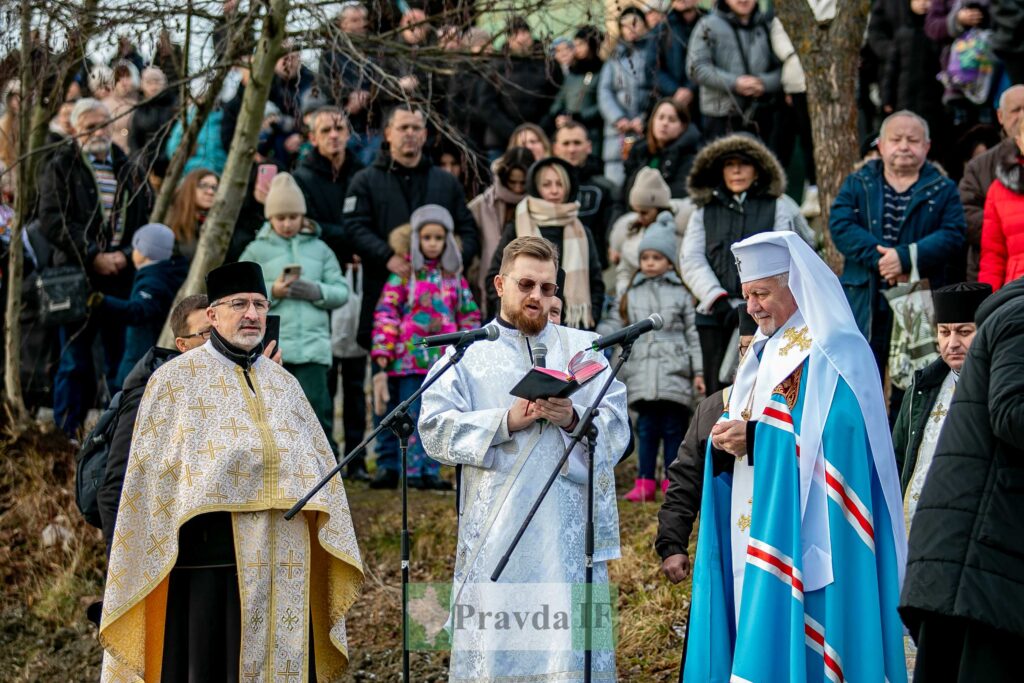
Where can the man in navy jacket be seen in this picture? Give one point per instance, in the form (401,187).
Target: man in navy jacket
(886,210)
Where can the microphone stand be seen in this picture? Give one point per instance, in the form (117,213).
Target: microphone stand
(399,422)
(587,428)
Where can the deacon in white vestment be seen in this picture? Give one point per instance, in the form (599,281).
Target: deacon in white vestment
(507,448)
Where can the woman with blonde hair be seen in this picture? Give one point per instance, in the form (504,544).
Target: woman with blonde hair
(192,200)
(550,210)
(532,137)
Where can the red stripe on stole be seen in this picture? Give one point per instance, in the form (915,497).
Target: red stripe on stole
(819,638)
(850,505)
(779,415)
(777,563)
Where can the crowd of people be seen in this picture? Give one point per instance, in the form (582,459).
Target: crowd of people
(636,162)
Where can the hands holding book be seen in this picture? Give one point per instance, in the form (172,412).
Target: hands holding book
(558,411)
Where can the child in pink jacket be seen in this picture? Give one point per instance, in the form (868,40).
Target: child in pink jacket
(435,299)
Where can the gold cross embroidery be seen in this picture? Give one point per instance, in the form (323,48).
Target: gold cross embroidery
(158,544)
(291,564)
(255,621)
(234,427)
(194,368)
(298,416)
(743,523)
(290,619)
(329,532)
(259,565)
(301,474)
(335,485)
(169,391)
(138,464)
(288,672)
(191,474)
(130,500)
(114,576)
(251,673)
(217,494)
(121,538)
(171,468)
(151,426)
(274,389)
(235,471)
(795,338)
(179,436)
(163,507)
(210,450)
(288,430)
(222,385)
(203,407)
(939,413)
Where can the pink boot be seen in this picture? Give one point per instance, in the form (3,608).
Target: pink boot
(643,491)
(664,486)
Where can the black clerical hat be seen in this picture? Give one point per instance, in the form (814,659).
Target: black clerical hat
(244,277)
(958,303)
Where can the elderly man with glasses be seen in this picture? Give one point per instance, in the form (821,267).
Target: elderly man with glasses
(206,579)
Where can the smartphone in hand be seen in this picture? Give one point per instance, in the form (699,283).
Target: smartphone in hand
(264,176)
(292,272)
(273,331)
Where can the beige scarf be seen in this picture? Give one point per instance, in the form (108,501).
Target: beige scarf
(531,213)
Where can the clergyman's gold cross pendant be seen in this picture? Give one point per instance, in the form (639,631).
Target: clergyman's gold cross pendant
(795,338)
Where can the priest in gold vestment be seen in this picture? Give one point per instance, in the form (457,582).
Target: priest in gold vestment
(206,580)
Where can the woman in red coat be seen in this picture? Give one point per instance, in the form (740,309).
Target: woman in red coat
(1002,231)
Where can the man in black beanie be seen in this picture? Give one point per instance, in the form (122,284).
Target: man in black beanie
(203,566)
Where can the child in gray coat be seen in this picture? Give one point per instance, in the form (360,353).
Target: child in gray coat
(664,372)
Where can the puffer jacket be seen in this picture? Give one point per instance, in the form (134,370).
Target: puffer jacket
(305,325)
(664,362)
(431,302)
(716,60)
(1002,231)
(979,174)
(722,219)
(965,557)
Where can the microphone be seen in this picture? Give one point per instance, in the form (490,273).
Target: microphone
(628,335)
(488,333)
(540,353)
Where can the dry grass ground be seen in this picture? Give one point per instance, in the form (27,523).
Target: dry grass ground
(44,635)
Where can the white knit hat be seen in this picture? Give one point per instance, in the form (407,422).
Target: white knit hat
(284,197)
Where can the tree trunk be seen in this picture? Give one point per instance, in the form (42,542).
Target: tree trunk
(17,415)
(829,53)
(220,223)
(191,131)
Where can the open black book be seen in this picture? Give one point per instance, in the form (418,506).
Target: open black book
(547,382)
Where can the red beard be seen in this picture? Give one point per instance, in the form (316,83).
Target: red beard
(531,327)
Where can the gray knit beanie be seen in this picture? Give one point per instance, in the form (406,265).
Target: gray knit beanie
(650,191)
(155,241)
(661,237)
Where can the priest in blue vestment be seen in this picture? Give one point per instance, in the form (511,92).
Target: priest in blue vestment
(801,547)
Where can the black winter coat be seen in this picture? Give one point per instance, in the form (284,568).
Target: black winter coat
(686,479)
(914,413)
(598,197)
(109,495)
(966,553)
(674,162)
(325,193)
(382,197)
(70,213)
(908,80)
(519,90)
(151,125)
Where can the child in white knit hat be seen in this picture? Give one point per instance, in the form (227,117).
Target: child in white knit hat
(305,282)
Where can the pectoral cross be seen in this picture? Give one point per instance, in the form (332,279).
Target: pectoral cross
(796,338)
(939,413)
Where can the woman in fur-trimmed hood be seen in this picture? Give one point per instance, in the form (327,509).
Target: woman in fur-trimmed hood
(738,186)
